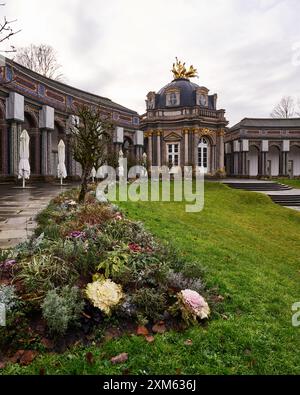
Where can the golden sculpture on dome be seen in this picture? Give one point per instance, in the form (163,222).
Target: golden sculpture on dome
(179,70)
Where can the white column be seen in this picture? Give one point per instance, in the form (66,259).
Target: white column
(221,149)
(49,153)
(14,148)
(196,138)
(186,146)
(150,148)
(44,153)
(158,149)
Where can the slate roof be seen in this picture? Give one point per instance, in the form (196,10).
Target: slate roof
(70,90)
(187,94)
(267,123)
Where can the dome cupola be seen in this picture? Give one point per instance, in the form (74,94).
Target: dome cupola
(181,92)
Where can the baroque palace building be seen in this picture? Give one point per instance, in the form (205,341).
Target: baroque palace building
(44,108)
(183,126)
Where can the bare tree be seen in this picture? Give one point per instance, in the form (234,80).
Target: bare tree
(298,110)
(41,58)
(285,108)
(90,139)
(6,32)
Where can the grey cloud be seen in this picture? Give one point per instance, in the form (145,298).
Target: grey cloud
(123,49)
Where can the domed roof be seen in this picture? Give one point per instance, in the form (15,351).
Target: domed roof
(187,92)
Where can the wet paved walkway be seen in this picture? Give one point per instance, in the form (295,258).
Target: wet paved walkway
(18,208)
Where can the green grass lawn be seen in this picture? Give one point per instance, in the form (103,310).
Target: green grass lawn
(250,249)
(295,183)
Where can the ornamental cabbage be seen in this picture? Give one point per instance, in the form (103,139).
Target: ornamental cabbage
(104,294)
(192,305)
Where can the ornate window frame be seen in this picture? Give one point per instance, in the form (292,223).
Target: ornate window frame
(173,98)
(200,94)
(173,152)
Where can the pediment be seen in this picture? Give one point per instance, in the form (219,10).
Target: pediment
(172,137)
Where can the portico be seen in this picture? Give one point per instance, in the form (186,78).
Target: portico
(263,148)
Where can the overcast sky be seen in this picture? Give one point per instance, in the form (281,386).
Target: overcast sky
(247,51)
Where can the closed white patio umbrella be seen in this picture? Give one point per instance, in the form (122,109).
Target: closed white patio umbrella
(121,164)
(93,174)
(61,167)
(24,166)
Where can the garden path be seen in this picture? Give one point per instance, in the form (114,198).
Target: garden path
(18,208)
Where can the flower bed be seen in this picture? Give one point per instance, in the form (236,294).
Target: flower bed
(89,267)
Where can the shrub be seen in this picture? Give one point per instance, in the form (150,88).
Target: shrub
(148,269)
(179,281)
(71,194)
(86,257)
(69,226)
(82,255)
(51,231)
(192,270)
(4,254)
(92,214)
(127,309)
(61,308)
(114,262)
(44,272)
(8,297)
(129,232)
(104,242)
(150,303)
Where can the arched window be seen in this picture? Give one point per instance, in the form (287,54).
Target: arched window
(203,154)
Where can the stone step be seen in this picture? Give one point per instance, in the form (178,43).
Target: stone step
(259,186)
(288,200)
(292,200)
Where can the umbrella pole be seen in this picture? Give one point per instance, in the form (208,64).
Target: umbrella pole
(23,179)
(61,181)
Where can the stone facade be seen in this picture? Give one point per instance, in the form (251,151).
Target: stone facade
(263,148)
(183,126)
(44,108)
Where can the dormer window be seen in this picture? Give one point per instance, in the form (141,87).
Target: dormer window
(202,96)
(173,98)
(203,100)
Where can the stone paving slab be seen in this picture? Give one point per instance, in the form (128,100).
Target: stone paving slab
(19,207)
